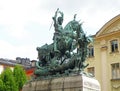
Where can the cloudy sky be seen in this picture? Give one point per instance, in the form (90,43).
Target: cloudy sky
(25,24)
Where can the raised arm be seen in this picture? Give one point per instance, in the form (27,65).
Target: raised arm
(55,16)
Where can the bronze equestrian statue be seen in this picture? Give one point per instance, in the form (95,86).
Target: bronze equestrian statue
(67,52)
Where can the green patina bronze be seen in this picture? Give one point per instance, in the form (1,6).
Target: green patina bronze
(60,57)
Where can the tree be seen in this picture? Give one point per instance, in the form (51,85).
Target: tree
(8,80)
(20,76)
(1,85)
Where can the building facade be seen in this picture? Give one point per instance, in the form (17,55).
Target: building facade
(104,56)
(26,63)
(4,63)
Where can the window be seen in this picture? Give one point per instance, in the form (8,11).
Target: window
(115,70)
(91,70)
(90,51)
(114,46)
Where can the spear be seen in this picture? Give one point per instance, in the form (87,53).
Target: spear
(51,25)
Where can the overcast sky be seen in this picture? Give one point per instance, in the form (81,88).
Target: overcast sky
(25,24)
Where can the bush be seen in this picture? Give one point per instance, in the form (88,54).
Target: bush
(20,76)
(8,80)
(1,85)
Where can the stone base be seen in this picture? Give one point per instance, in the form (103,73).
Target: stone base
(71,83)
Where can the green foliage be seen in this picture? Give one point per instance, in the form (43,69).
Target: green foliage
(1,85)
(8,80)
(12,81)
(20,76)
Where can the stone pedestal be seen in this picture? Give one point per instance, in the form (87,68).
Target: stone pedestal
(71,83)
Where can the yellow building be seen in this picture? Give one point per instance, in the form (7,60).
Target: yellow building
(104,56)
(25,62)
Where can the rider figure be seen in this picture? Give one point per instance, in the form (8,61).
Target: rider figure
(58,28)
